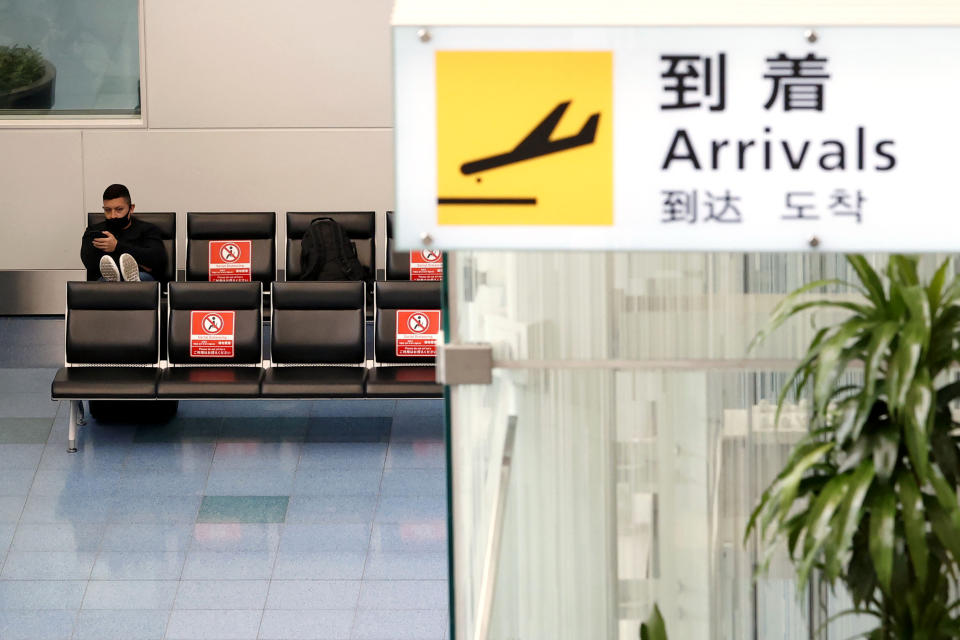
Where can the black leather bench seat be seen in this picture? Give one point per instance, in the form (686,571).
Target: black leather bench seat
(404,382)
(311,382)
(210,382)
(86,383)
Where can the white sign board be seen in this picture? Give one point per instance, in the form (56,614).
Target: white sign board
(677,138)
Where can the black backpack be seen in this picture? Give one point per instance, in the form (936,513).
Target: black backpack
(326,253)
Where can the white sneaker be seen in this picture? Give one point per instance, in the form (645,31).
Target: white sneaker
(109,270)
(130,268)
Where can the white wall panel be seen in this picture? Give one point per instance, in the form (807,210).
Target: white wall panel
(242,170)
(41,201)
(285,63)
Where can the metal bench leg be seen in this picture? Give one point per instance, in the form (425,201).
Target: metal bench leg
(82,417)
(74,411)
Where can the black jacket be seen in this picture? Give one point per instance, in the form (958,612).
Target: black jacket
(141,240)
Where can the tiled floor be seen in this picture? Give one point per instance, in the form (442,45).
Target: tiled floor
(274,520)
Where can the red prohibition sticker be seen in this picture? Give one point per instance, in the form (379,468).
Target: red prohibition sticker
(229,261)
(426,265)
(417,332)
(211,334)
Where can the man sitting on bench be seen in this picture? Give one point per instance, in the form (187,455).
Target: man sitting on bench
(135,244)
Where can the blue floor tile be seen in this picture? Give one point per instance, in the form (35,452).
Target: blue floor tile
(79,482)
(121,625)
(428,407)
(48,565)
(232,565)
(27,405)
(31,380)
(406,566)
(417,537)
(25,430)
(37,625)
(250,482)
(304,538)
(157,510)
(343,456)
(151,482)
(6,537)
(30,356)
(92,455)
(138,565)
(327,482)
(16,482)
(306,625)
(266,429)
(20,456)
(179,456)
(419,454)
(130,594)
(180,430)
(147,537)
(404,594)
(222,594)
(280,456)
(400,625)
(414,482)
(213,625)
(412,509)
(11,508)
(243,509)
(323,565)
(408,428)
(79,509)
(313,594)
(358,408)
(236,537)
(57,537)
(355,429)
(331,509)
(40,594)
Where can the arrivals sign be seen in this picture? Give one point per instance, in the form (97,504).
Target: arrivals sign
(670,138)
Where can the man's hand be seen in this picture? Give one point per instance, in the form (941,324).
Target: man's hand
(107,244)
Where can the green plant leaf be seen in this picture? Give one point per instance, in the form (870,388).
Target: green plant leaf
(903,270)
(935,288)
(847,521)
(883,511)
(916,426)
(944,513)
(870,280)
(818,524)
(944,451)
(654,628)
(792,304)
(885,449)
(904,365)
(833,359)
(945,528)
(880,341)
(914,523)
(785,489)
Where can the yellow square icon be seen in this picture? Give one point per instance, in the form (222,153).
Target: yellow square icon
(524,137)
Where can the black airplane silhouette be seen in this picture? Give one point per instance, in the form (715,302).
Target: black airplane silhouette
(538,142)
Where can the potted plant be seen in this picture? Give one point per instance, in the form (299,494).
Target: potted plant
(27,80)
(869,498)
